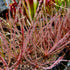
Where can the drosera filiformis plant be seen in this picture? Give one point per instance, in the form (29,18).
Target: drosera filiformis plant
(36,46)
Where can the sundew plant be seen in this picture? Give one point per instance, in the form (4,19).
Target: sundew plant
(35,42)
